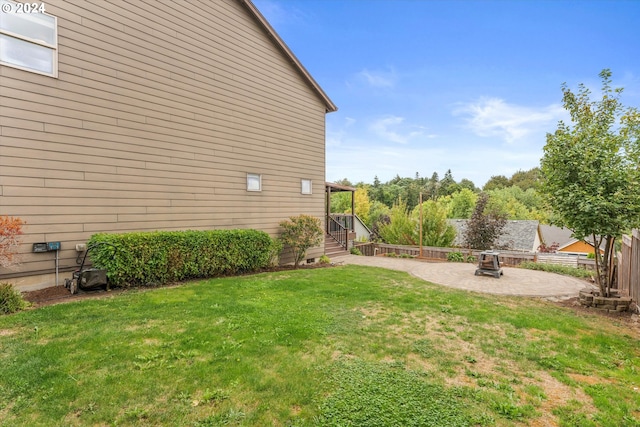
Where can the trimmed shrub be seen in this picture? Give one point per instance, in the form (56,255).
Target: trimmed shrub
(324,260)
(455,257)
(11,300)
(301,233)
(158,257)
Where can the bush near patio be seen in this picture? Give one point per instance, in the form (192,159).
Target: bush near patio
(159,257)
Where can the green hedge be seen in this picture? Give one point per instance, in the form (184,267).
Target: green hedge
(158,257)
(558,269)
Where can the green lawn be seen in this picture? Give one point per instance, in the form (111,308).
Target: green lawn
(343,346)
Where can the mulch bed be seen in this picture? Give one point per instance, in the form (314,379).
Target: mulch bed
(59,294)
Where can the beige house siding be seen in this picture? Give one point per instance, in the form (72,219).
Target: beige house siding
(159,111)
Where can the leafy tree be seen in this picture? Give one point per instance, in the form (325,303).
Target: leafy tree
(301,233)
(462,203)
(495,182)
(590,170)
(10,238)
(526,179)
(436,231)
(516,203)
(341,202)
(378,215)
(485,226)
(345,182)
(467,183)
(401,228)
(363,205)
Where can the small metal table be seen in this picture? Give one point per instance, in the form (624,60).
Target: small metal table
(489,263)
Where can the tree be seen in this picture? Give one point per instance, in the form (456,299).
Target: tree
(340,201)
(590,171)
(462,203)
(447,184)
(467,183)
(378,215)
(301,233)
(496,182)
(526,179)
(401,229)
(485,226)
(432,186)
(363,205)
(10,238)
(436,231)
(516,203)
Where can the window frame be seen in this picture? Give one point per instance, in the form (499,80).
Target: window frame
(251,175)
(17,36)
(302,182)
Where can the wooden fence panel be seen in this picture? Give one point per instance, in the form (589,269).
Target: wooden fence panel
(624,266)
(440,254)
(629,266)
(634,275)
(565,260)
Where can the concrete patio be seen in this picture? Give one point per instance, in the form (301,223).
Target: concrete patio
(515,281)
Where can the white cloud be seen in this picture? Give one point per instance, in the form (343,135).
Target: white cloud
(391,128)
(335,134)
(380,79)
(495,117)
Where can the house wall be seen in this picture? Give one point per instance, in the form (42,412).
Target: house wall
(578,247)
(159,111)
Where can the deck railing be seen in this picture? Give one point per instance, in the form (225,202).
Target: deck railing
(346,220)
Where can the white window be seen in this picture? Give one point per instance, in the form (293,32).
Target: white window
(254,182)
(306,187)
(28,38)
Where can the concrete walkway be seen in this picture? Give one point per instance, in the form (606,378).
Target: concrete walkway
(515,281)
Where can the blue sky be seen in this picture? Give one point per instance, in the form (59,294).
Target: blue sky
(472,86)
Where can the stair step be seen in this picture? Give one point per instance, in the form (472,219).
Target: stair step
(332,248)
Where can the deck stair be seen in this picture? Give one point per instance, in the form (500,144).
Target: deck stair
(332,248)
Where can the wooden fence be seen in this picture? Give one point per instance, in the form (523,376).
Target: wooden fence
(629,266)
(507,258)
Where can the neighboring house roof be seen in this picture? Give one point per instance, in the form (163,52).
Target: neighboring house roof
(550,234)
(331,107)
(519,235)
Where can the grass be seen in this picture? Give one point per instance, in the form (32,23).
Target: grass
(343,346)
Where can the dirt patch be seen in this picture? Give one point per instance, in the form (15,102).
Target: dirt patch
(59,294)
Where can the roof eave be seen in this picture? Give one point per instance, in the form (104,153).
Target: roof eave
(329,105)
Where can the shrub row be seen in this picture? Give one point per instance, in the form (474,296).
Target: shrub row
(559,269)
(158,257)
